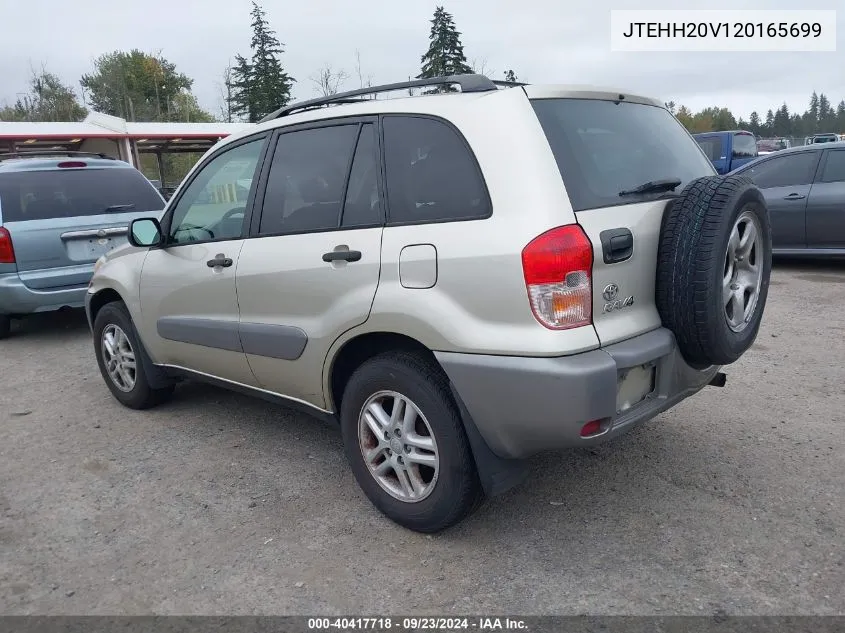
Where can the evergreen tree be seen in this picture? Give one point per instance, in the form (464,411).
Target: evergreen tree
(510,76)
(445,55)
(754,123)
(260,85)
(781,121)
(813,112)
(840,117)
(240,95)
(770,123)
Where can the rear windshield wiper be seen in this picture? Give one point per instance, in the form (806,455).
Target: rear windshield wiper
(653,186)
(118,207)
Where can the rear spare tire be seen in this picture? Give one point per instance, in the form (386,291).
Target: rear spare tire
(713,266)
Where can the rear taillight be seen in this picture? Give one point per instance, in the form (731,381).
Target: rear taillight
(558,275)
(7,253)
(72,164)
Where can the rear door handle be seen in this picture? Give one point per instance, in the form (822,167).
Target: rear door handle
(349,256)
(220,260)
(794,196)
(617,245)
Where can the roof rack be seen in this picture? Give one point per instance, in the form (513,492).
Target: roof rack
(467,83)
(509,84)
(56,152)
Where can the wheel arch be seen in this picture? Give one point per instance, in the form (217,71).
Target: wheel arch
(101,298)
(359,348)
(497,475)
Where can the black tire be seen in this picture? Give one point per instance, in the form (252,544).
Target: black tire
(141,396)
(5,325)
(691,265)
(457,490)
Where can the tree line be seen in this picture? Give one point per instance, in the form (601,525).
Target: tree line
(819,117)
(139,86)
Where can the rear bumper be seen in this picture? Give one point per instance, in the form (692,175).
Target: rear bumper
(17,298)
(522,406)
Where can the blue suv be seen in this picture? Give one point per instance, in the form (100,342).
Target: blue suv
(59,212)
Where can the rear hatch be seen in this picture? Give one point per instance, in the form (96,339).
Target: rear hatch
(620,162)
(62,219)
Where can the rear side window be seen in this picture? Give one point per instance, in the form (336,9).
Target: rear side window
(603,148)
(712,146)
(744,146)
(73,192)
(784,171)
(306,181)
(834,167)
(431,174)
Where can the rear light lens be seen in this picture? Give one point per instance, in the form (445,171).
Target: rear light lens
(558,275)
(72,163)
(7,253)
(593,427)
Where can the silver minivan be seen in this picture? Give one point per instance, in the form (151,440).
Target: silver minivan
(58,214)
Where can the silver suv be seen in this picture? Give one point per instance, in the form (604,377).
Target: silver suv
(462,279)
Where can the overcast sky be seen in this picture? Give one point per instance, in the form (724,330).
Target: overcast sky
(544,41)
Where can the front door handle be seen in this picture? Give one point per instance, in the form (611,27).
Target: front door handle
(794,196)
(348,256)
(220,260)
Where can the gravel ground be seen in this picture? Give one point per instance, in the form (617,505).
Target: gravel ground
(219,504)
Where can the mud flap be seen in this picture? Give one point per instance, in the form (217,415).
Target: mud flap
(497,475)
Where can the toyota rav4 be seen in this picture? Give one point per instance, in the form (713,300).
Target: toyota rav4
(461,279)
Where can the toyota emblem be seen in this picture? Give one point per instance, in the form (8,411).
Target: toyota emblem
(610,292)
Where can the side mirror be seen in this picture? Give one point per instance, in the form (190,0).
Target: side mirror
(145,232)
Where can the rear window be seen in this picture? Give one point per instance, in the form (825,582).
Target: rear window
(603,148)
(67,193)
(744,145)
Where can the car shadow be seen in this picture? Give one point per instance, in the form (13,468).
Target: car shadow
(50,324)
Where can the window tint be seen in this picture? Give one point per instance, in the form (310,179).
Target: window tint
(431,174)
(744,146)
(213,205)
(834,168)
(362,195)
(71,192)
(784,171)
(603,147)
(712,146)
(305,185)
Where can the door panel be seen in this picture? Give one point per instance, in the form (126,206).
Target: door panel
(312,272)
(787,212)
(785,180)
(294,305)
(826,204)
(189,303)
(189,311)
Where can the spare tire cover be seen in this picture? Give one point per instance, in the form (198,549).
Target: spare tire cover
(714,260)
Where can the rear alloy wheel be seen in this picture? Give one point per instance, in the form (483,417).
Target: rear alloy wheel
(406,444)
(120,358)
(5,325)
(398,446)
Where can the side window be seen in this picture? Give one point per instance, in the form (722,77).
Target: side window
(305,184)
(834,167)
(712,146)
(784,171)
(431,174)
(214,203)
(362,207)
(744,146)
